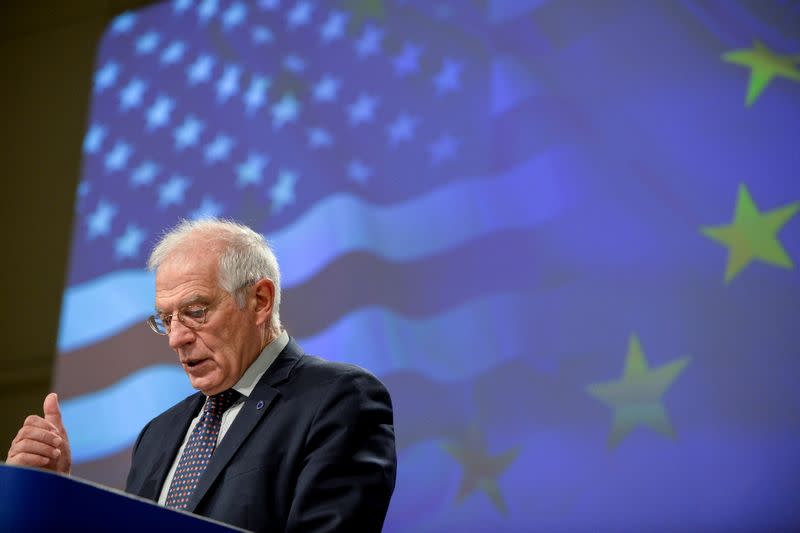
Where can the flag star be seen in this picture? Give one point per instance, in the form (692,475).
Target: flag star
(147,42)
(179,6)
(261,35)
(172,192)
(256,93)
(159,113)
(370,41)
(200,70)
(636,397)
(294,63)
(106,76)
(83,188)
(362,110)
(144,174)
(131,94)
(228,85)
(325,90)
(117,158)
(269,4)
(250,172)
(753,234)
(481,469)
(448,78)
(443,148)
(402,129)
(358,171)
(318,137)
(123,23)
(282,193)
(208,209)
(285,110)
(764,65)
(187,133)
(299,15)
(218,149)
(234,15)
(127,246)
(173,53)
(334,26)
(99,221)
(94,138)
(206,10)
(408,60)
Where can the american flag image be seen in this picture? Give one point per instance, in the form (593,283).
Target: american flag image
(563,235)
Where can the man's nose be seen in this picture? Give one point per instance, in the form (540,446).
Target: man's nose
(179,335)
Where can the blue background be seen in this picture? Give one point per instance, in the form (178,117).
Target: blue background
(486,204)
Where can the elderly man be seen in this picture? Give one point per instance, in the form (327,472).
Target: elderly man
(275,440)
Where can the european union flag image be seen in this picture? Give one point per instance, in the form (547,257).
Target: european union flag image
(563,234)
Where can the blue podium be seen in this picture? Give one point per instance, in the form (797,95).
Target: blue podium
(37,500)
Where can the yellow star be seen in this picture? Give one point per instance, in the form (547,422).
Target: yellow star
(764,65)
(753,235)
(636,397)
(480,469)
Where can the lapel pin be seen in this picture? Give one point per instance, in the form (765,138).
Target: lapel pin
(260,404)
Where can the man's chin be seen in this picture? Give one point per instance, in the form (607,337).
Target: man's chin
(205,384)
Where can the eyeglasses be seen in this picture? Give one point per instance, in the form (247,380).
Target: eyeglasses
(192,316)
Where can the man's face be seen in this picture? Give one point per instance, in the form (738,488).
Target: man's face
(216,355)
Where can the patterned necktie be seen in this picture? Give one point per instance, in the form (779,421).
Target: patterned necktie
(197,453)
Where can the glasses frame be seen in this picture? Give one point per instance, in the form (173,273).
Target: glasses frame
(181,313)
(151,320)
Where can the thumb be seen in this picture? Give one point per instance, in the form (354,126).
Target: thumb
(52,411)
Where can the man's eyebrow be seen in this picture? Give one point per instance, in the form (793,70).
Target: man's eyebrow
(191,300)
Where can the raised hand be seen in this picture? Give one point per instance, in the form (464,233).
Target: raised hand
(43,442)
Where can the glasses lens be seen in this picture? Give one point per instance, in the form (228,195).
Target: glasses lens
(157,325)
(193,316)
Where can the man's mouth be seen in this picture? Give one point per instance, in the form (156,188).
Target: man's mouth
(191,363)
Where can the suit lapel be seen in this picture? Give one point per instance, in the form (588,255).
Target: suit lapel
(255,407)
(177,427)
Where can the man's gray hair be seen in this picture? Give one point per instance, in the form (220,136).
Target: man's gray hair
(245,256)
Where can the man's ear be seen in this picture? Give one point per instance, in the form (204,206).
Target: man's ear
(264,290)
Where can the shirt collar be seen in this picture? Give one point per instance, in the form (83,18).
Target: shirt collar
(253,374)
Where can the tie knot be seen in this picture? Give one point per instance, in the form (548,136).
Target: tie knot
(219,403)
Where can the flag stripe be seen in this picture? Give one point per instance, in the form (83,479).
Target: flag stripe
(121,410)
(443,219)
(352,282)
(449,407)
(394,345)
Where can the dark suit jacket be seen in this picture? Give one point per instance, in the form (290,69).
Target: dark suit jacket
(311,450)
